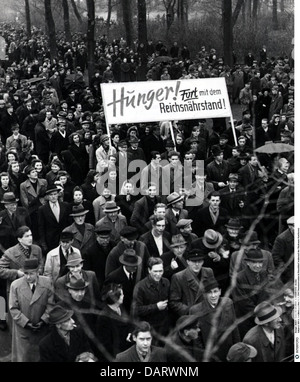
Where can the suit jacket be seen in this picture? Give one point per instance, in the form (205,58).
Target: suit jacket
(229,200)
(141,214)
(31,198)
(84,242)
(92,290)
(265,351)
(13,259)
(112,261)
(186,289)
(119,276)
(226,317)
(148,239)
(158,354)
(26,306)
(183,214)
(49,227)
(8,226)
(203,221)
(54,349)
(52,264)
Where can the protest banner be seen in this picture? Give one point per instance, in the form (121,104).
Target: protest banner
(149,101)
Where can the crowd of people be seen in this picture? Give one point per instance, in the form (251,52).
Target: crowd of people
(187,259)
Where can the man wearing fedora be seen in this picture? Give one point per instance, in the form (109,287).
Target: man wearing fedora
(157,240)
(30,300)
(249,240)
(175,211)
(251,287)
(268,335)
(65,342)
(83,233)
(150,298)
(53,217)
(56,259)
(127,274)
(96,256)
(129,239)
(113,219)
(211,217)
(186,287)
(174,260)
(215,315)
(233,234)
(76,272)
(11,218)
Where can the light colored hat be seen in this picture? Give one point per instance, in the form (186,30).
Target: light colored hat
(212,239)
(266,312)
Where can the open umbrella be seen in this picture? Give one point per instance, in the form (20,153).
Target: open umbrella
(34,80)
(275,148)
(74,81)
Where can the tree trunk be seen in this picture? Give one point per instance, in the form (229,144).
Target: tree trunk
(227,32)
(170,12)
(254,12)
(127,19)
(109,11)
(75,9)
(237,10)
(244,13)
(51,29)
(274,16)
(248,10)
(282,7)
(142,22)
(67,20)
(91,37)
(28,19)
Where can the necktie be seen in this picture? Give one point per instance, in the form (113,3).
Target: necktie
(33,288)
(131,277)
(55,210)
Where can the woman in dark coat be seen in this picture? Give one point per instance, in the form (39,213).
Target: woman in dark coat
(72,167)
(78,149)
(89,187)
(126,200)
(113,324)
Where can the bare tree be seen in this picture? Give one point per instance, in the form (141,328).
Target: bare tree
(76,12)
(255,12)
(237,10)
(65,6)
(227,32)
(170,12)
(274,15)
(28,19)
(127,19)
(50,29)
(142,21)
(91,37)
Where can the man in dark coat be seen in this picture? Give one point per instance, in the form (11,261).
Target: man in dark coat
(218,170)
(230,194)
(283,252)
(216,313)
(128,275)
(211,217)
(150,298)
(65,342)
(186,287)
(144,208)
(175,212)
(143,350)
(11,218)
(268,335)
(75,271)
(153,142)
(128,240)
(53,217)
(157,240)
